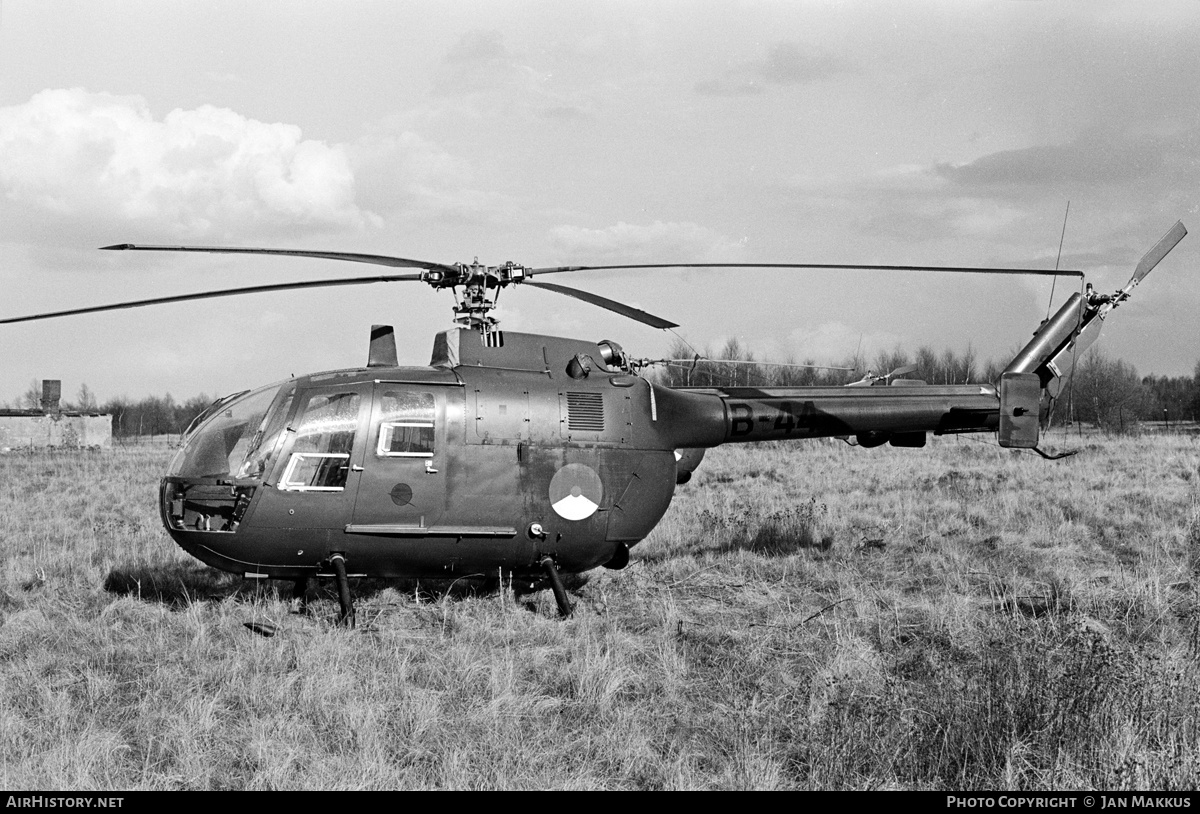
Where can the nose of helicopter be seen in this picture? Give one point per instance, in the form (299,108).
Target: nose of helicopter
(202,505)
(215,473)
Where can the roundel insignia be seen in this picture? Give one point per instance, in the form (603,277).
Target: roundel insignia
(575,492)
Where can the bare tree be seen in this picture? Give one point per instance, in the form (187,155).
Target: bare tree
(886,361)
(1109,393)
(927,364)
(968,365)
(85,399)
(31,399)
(1196,397)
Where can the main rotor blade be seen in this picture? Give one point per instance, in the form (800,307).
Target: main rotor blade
(605,302)
(204,295)
(376,259)
(832,266)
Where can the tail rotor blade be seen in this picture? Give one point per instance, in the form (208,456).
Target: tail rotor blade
(1153,257)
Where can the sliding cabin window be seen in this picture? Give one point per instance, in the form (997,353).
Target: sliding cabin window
(406,426)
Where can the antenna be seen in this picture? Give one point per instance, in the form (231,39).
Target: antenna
(1059,258)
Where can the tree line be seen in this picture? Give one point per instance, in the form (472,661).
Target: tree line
(151,415)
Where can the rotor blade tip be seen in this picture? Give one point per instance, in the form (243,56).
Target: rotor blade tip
(117,247)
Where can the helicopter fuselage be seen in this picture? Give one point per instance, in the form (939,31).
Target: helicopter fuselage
(461,467)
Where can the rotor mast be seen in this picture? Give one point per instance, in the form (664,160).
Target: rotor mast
(473,308)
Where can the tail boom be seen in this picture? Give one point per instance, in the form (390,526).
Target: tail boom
(873,415)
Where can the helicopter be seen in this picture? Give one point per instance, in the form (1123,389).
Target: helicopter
(529,455)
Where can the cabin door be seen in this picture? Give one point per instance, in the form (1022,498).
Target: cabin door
(403,478)
(320,462)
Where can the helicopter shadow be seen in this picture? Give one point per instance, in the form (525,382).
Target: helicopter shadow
(461,588)
(177,586)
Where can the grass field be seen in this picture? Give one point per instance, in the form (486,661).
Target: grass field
(805,616)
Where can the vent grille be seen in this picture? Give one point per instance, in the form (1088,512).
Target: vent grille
(585,412)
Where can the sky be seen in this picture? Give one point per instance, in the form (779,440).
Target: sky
(551,133)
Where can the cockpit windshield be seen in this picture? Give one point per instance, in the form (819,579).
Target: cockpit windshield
(237,439)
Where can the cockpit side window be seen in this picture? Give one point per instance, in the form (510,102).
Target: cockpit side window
(406,428)
(216,446)
(269,437)
(325,430)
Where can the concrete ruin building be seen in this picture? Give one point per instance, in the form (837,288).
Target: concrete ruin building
(51,427)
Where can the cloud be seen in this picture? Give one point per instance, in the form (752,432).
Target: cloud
(403,173)
(732,84)
(480,63)
(565,113)
(790,64)
(921,216)
(81,157)
(787,63)
(655,242)
(480,78)
(483,47)
(1093,159)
